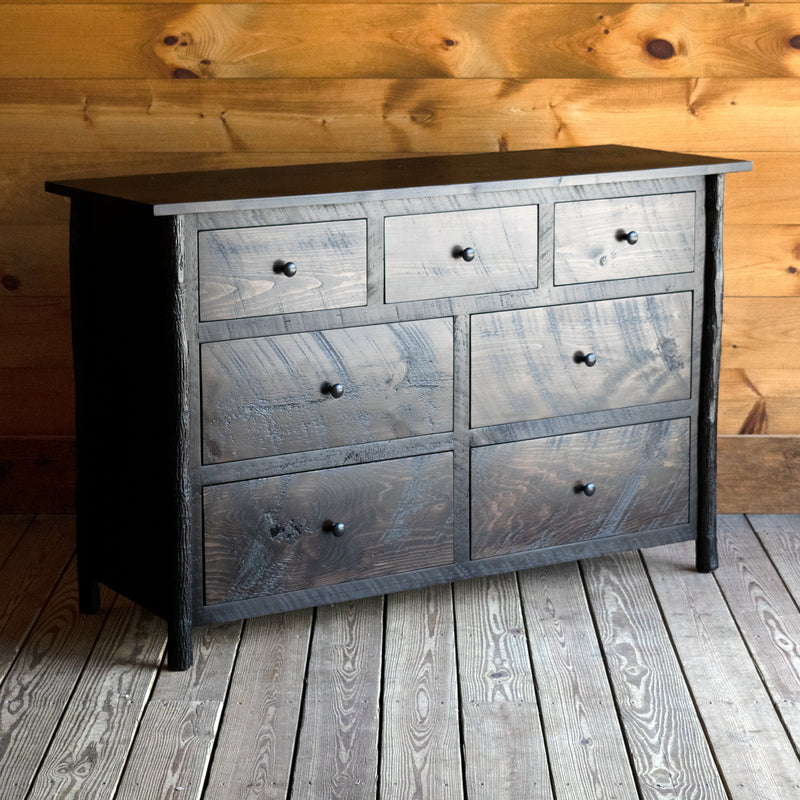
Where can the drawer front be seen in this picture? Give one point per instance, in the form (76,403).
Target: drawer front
(276,394)
(591,243)
(243,272)
(461,253)
(531,494)
(276,534)
(533,364)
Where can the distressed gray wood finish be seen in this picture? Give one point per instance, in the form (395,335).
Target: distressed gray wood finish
(273,535)
(212,370)
(529,494)
(241,269)
(526,364)
(267,396)
(590,243)
(425,253)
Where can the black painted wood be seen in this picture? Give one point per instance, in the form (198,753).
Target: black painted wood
(178,494)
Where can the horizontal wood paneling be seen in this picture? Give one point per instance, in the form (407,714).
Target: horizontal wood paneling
(410,40)
(759,400)
(760,332)
(762,260)
(386,116)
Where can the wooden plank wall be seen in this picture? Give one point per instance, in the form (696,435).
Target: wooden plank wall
(98,88)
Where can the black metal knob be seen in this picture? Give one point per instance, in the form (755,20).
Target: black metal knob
(590,359)
(289,269)
(336,528)
(333,389)
(631,237)
(467,253)
(587,488)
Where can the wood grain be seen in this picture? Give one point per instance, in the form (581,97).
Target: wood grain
(670,754)
(757,330)
(273,535)
(266,396)
(420,693)
(766,615)
(578,714)
(759,401)
(498,694)
(254,752)
(778,534)
(526,364)
(414,40)
(762,260)
(12,528)
(337,751)
(747,738)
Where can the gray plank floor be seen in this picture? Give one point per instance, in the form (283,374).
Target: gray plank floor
(626,677)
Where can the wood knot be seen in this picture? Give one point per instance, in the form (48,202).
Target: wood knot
(181,72)
(795,42)
(660,49)
(11,282)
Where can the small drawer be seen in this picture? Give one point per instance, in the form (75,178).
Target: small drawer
(310,391)
(313,529)
(461,253)
(248,272)
(548,362)
(563,489)
(627,237)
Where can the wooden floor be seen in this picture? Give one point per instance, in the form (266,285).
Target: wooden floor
(620,677)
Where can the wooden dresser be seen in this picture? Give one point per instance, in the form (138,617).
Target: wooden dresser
(301,385)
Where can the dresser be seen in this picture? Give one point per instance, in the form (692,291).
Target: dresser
(308,384)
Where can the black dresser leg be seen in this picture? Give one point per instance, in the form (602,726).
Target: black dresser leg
(706,553)
(179,645)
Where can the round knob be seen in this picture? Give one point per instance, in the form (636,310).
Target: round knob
(336,528)
(289,269)
(631,237)
(590,359)
(333,389)
(587,488)
(467,253)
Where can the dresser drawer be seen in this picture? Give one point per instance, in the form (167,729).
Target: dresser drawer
(461,253)
(244,273)
(629,237)
(534,363)
(278,534)
(309,391)
(564,489)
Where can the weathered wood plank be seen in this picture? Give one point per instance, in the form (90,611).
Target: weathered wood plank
(12,528)
(420,738)
(410,40)
(39,685)
(504,750)
(580,721)
(337,751)
(758,474)
(780,536)
(120,125)
(255,747)
(29,574)
(667,744)
(766,616)
(178,730)
(747,738)
(89,751)
(759,401)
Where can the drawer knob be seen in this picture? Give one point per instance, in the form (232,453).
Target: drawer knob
(333,389)
(590,359)
(631,237)
(289,269)
(467,253)
(587,488)
(336,528)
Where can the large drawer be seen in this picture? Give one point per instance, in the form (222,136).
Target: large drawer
(448,254)
(280,534)
(564,489)
(535,363)
(624,237)
(309,391)
(246,272)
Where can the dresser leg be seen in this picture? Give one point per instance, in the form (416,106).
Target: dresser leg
(88,593)
(179,645)
(706,549)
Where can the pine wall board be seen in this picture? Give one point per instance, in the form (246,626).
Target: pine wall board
(90,89)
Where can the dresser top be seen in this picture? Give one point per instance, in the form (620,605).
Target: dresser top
(259,187)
